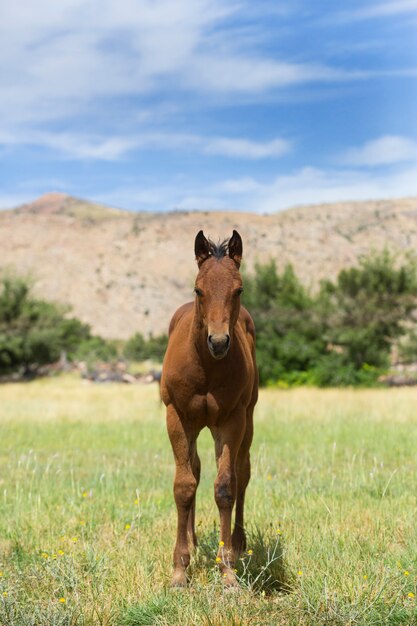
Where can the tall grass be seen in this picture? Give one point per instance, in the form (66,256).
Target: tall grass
(87,518)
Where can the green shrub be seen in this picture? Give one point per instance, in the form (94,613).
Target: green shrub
(140,349)
(93,349)
(290,333)
(334,370)
(368,307)
(343,334)
(33,332)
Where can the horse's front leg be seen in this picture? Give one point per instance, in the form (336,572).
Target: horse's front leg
(185,486)
(196,466)
(228,439)
(243,476)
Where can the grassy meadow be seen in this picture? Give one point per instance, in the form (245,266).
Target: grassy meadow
(87,517)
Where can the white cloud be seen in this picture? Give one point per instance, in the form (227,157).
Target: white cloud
(92,147)
(244,74)
(382,151)
(55,58)
(307,185)
(237,186)
(60,59)
(376,10)
(245,149)
(310,185)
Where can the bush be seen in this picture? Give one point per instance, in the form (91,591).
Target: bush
(334,370)
(368,308)
(33,332)
(93,349)
(290,333)
(140,349)
(343,334)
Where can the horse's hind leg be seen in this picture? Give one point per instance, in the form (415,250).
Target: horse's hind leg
(196,467)
(243,476)
(185,485)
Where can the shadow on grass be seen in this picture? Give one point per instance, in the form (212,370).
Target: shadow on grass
(261,569)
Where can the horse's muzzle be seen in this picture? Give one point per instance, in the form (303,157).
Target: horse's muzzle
(218,344)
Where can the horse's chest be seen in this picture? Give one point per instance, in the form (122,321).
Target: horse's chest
(209,395)
(212,407)
(215,407)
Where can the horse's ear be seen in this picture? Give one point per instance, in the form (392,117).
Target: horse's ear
(236,248)
(201,248)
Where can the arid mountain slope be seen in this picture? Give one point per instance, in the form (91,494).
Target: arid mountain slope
(123,272)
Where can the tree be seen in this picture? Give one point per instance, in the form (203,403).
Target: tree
(368,308)
(289,331)
(33,332)
(140,349)
(343,334)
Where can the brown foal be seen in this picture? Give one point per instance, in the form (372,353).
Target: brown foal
(209,378)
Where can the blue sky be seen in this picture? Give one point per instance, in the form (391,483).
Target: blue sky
(208,104)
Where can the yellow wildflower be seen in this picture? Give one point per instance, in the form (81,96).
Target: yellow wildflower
(221,543)
(61,552)
(218,559)
(62,600)
(74,539)
(44,555)
(410,595)
(6,593)
(137,501)
(250,552)
(1,574)
(279,531)
(82,523)
(299,573)
(127,526)
(365,577)
(406,573)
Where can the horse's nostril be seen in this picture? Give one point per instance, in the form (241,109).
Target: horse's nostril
(227,340)
(210,338)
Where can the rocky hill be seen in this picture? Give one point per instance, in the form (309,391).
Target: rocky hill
(122,272)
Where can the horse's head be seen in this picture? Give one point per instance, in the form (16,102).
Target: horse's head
(218,287)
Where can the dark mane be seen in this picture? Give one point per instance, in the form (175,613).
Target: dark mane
(218,250)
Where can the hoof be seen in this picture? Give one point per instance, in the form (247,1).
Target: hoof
(238,542)
(179,580)
(230,583)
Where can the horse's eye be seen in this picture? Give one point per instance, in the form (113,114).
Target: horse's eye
(239,291)
(198,291)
